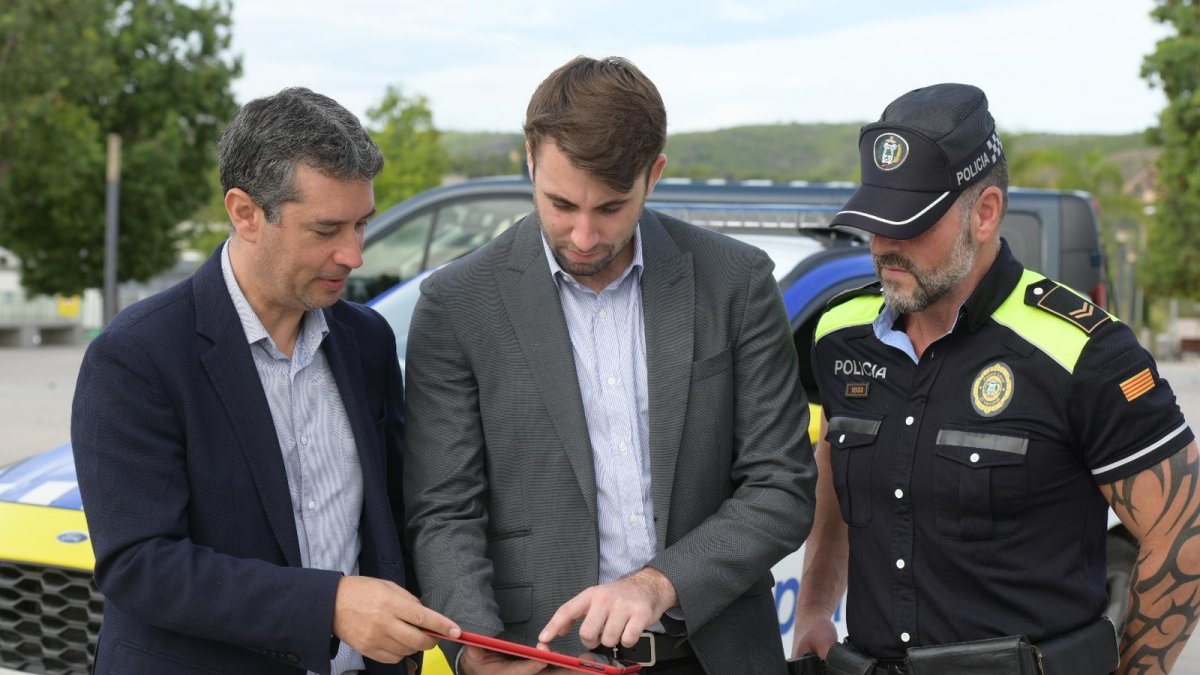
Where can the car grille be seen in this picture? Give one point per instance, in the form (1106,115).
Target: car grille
(49,618)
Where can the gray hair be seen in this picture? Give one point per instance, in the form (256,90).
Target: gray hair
(261,147)
(996,176)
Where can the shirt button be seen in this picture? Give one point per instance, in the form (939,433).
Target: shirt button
(900,564)
(899,493)
(842,438)
(974,457)
(303,439)
(1038,291)
(905,637)
(612,380)
(633,518)
(603,313)
(311,505)
(623,447)
(908,420)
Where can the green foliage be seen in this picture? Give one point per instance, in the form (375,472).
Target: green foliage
(1068,166)
(209,226)
(1173,244)
(414,159)
(811,152)
(478,154)
(814,152)
(73,71)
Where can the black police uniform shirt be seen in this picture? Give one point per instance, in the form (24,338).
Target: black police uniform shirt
(969,479)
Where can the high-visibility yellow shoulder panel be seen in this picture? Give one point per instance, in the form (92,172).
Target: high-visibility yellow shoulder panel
(1061,336)
(854,311)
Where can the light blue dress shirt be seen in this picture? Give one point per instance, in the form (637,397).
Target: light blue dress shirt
(319,452)
(885,330)
(608,338)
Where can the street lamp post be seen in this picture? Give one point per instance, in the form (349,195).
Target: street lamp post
(111,202)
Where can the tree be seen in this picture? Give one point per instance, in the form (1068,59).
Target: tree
(414,159)
(1173,242)
(72,71)
(1089,170)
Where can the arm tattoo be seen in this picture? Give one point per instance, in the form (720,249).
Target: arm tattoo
(1163,504)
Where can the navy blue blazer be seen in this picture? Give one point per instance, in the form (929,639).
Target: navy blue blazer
(186,496)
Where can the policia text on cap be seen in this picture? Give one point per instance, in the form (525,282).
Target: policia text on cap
(965,478)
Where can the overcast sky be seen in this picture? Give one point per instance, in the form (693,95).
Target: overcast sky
(1067,66)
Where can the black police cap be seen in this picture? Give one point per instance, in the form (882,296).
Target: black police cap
(929,145)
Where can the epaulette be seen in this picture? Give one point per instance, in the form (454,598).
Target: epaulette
(1054,298)
(872,288)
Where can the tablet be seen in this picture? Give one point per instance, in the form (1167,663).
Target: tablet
(608,666)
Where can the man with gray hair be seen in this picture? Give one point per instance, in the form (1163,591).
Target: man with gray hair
(238,438)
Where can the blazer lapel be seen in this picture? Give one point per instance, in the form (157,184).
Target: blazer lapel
(231,370)
(531,300)
(668,309)
(341,349)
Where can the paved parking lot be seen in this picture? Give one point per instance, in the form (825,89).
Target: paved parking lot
(36,386)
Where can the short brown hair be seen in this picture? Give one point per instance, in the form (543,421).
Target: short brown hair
(605,115)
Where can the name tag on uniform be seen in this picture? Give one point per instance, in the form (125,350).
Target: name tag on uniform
(858,389)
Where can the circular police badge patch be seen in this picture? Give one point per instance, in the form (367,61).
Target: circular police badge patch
(890,151)
(992,389)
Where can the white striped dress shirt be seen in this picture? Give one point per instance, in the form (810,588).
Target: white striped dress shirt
(319,452)
(608,338)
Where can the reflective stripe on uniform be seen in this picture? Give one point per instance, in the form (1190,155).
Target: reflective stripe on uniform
(861,309)
(1061,340)
(1144,451)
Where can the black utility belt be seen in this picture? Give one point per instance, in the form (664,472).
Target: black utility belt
(1091,650)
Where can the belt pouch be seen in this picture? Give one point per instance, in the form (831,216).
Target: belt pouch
(809,664)
(843,659)
(996,656)
(1091,650)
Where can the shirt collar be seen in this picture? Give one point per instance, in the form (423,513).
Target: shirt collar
(993,289)
(313,329)
(637,263)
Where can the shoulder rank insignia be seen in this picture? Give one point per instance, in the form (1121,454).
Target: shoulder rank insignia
(1049,296)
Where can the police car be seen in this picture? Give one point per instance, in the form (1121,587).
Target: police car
(50,609)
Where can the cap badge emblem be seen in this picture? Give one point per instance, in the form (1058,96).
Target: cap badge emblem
(890,151)
(992,389)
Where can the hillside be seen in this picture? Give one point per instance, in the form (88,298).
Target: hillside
(813,152)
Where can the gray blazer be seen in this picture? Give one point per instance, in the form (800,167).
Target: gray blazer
(499,485)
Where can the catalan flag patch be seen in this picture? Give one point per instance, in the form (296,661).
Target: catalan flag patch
(1137,385)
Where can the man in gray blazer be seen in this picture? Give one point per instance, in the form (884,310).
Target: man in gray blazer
(605,419)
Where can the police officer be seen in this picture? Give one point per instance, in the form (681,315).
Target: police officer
(979,421)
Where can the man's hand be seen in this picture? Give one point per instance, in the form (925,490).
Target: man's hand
(382,621)
(814,635)
(616,612)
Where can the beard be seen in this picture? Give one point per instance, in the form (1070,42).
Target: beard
(608,252)
(577,269)
(932,285)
